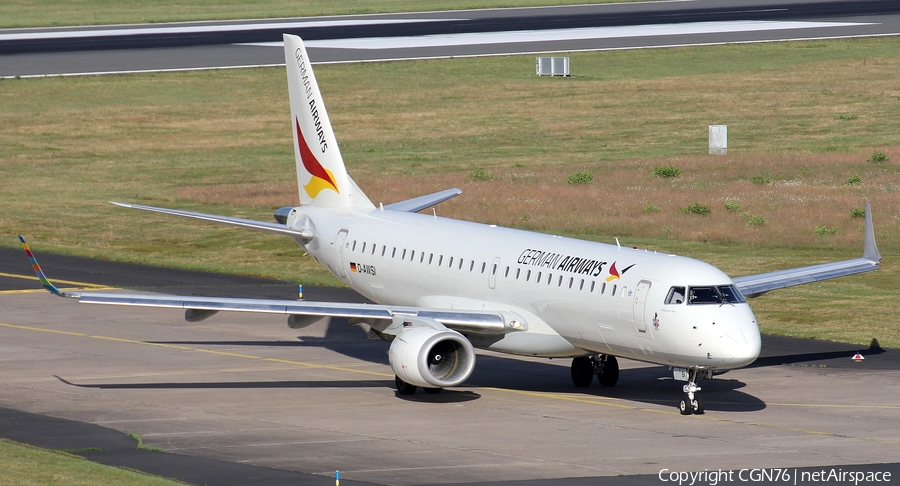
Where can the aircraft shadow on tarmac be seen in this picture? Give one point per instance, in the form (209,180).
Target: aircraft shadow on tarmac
(650,385)
(834,358)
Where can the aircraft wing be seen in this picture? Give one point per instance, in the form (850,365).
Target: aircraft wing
(481,322)
(198,308)
(240,222)
(756,285)
(419,203)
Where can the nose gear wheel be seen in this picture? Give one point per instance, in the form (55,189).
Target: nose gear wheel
(691,402)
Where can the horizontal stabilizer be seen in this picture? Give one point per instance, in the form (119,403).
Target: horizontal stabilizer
(422,202)
(240,222)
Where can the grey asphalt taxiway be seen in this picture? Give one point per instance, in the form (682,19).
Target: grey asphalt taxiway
(243,396)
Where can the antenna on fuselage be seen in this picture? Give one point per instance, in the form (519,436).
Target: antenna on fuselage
(618,246)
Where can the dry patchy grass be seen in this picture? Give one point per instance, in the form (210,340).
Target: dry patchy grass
(804,116)
(806,190)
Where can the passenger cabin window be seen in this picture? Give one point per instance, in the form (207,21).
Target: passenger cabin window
(676,296)
(721,294)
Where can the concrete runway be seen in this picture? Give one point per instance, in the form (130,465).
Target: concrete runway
(246,389)
(214,45)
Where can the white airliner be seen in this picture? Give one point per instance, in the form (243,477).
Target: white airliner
(444,286)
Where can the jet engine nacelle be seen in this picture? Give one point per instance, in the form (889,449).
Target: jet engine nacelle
(431,358)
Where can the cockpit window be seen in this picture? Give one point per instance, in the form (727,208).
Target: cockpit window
(676,296)
(722,294)
(731,294)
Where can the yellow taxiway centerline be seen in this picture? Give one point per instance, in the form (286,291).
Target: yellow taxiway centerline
(79,285)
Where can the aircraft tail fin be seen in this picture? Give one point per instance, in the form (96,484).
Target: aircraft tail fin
(321,175)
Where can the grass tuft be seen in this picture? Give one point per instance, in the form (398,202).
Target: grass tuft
(481,175)
(757,221)
(666,171)
(581,178)
(822,230)
(878,157)
(140,443)
(695,208)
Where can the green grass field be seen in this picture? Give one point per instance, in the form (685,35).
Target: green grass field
(22,465)
(44,13)
(803,117)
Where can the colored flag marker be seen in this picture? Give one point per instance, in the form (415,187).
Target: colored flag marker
(337,478)
(300,292)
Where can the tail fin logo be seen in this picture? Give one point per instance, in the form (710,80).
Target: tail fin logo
(322,178)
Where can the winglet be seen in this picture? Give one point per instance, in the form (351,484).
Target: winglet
(871,250)
(40,273)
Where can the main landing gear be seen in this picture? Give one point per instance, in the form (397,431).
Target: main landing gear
(404,388)
(584,368)
(691,401)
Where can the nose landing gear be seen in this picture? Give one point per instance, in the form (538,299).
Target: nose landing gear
(691,401)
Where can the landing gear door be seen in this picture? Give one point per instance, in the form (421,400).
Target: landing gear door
(339,253)
(640,304)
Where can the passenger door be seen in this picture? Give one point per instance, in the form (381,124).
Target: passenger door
(640,305)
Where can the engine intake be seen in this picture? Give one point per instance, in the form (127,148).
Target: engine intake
(431,358)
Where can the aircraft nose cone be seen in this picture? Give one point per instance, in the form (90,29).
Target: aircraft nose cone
(745,347)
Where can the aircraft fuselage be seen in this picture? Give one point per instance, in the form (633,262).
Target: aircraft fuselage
(577,297)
